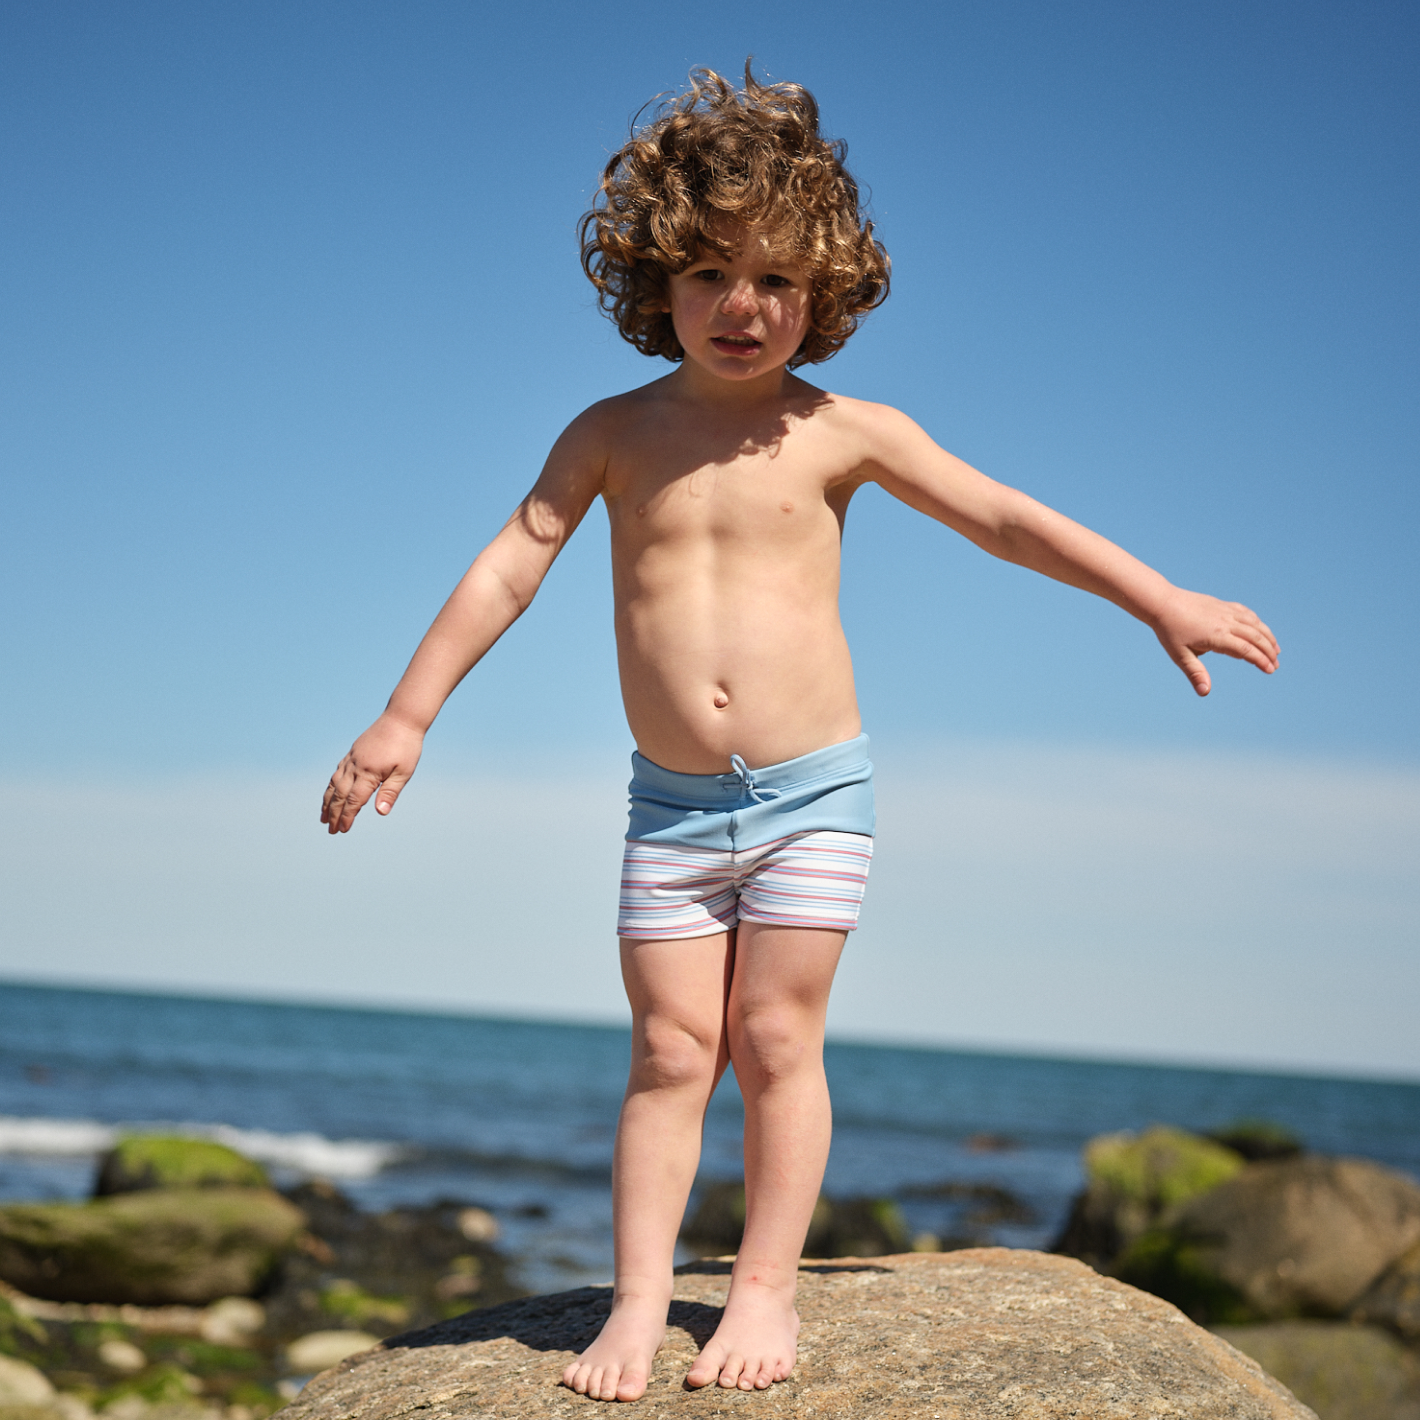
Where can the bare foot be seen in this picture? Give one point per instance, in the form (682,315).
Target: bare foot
(755,1343)
(617,1365)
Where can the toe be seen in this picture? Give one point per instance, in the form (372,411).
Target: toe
(731,1372)
(705,1370)
(632,1386)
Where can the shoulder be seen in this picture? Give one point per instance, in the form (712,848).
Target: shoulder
(876,432)
(604,424)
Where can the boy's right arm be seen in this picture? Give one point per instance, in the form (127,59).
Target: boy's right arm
(493,593)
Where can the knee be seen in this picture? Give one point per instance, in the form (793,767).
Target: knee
(772,1043)
(670,1055)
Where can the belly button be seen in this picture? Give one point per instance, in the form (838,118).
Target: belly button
(721,700)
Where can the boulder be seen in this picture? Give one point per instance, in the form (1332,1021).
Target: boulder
(23,1384)
(1393,1299)
(1344,1372)
(981,1334)
(189,1245)
(861,1227)
(144,1161)
(1133,1182)
(320,1350)
(232,1322)
(122,1356)
(1300,1237)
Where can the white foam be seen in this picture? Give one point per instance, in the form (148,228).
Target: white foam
(54,1136)
(304,1153)
(309,1153)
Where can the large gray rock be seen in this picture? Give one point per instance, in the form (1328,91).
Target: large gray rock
(1302,1237)
(982,1334)
(1343,1371)
(1393,1299)
(168,1245)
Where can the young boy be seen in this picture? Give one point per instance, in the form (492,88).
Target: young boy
(728,237)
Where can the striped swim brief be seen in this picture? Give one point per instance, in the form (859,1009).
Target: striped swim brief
(788,844)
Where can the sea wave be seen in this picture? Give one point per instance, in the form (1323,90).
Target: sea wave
(303,1153)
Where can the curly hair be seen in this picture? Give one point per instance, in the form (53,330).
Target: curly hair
(754,156)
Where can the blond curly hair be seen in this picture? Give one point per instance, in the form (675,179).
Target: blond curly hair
(752,155)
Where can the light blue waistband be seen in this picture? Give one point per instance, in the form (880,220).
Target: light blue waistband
(829,789)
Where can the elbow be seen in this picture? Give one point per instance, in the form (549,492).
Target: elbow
(516,593)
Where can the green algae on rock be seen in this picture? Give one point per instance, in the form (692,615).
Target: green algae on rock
(143,1161)
(1133,1181)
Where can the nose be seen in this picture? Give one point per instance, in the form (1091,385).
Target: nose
(740,298)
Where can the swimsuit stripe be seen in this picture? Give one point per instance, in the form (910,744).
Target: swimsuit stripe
(813,879)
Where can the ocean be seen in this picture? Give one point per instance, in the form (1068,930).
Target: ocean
(518,1116)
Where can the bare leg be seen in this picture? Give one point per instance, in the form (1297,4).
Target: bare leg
(679,1050)
(778,999)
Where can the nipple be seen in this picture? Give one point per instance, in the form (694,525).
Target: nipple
(786,507)
(721,700)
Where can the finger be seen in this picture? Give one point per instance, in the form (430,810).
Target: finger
(332,806)
(365,785)
(336,793)
(1194,669)
(1264,652)
(1255,624)
(1251,649)
(389,791)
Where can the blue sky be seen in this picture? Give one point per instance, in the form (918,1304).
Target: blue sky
(293,311)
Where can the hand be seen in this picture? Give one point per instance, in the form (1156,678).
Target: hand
(1192,623)
(382,758)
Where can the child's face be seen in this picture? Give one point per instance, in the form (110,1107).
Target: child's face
(742,316)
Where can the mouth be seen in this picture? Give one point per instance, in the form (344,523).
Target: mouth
(736,342)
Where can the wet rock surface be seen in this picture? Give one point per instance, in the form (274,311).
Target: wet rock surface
(385,1272)
(968,1335)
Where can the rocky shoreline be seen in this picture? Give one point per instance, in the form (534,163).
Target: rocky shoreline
(189,1289)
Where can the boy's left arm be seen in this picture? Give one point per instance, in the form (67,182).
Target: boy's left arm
(1011,525)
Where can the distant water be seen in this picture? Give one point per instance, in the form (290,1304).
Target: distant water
(519,1116)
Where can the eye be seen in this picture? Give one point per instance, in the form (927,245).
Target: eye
(775,280)
(708,273)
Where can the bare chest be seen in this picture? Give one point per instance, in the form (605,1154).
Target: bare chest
(791,491)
